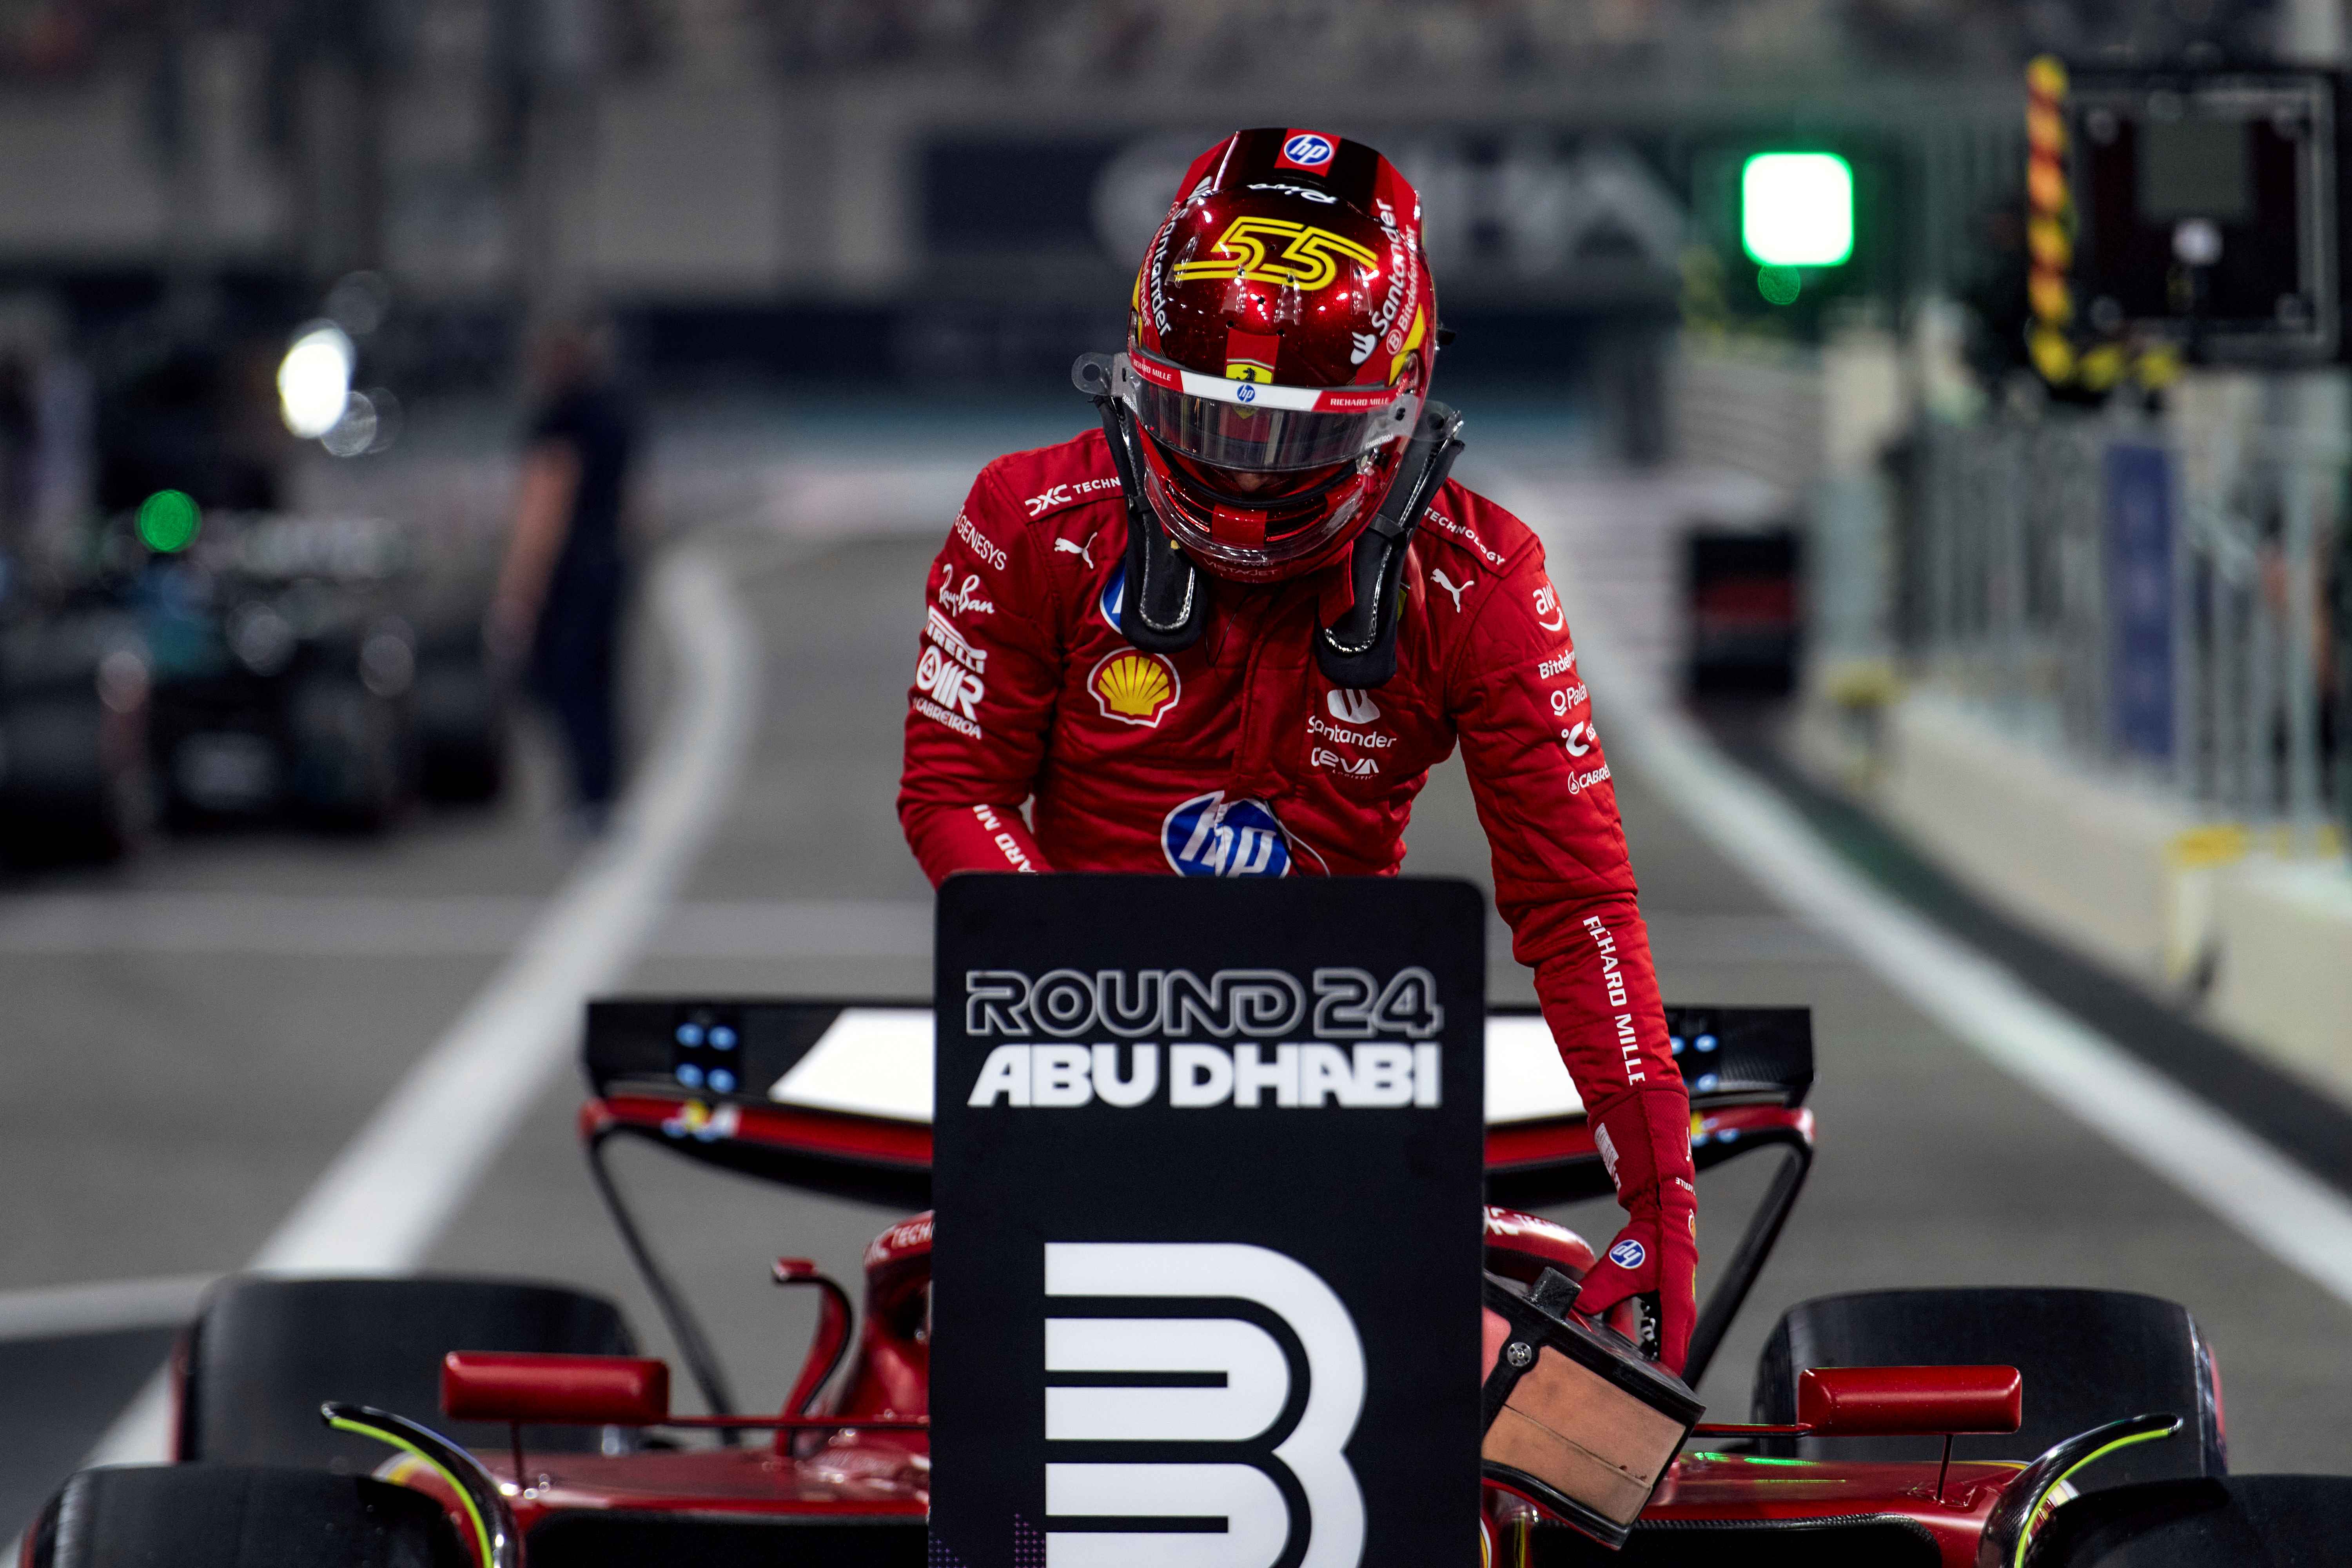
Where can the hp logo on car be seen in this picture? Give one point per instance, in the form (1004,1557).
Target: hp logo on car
(1269,1464)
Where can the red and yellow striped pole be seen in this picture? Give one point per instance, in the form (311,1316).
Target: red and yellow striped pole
(2049,223)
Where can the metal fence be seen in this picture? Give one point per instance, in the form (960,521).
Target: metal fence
(2171,608)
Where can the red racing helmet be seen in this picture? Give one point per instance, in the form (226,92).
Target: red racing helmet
(1284,329)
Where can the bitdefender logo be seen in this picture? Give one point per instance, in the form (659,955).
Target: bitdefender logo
(1219,1454)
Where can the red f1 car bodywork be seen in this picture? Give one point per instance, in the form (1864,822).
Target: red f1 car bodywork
(835,1100)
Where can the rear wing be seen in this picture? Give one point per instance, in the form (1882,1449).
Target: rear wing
(834,1097)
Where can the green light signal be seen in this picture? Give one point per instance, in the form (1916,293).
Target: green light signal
(1796,209)
(168,521)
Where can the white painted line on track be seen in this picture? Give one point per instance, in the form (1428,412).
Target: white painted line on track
(394,1187)
(2301,1221)
(108,1306)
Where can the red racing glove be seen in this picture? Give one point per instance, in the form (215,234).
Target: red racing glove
(1644,1141)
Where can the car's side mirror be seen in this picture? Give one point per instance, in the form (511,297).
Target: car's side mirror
(1909,1400)
(561,1390)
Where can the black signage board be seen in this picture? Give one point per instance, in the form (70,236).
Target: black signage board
(1207,1160)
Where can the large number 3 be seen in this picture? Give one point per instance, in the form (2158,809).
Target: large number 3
(1309,260)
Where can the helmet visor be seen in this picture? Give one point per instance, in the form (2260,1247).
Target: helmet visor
(1261,558)
(1258,426)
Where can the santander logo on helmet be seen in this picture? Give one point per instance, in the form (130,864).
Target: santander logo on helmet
(1281,343)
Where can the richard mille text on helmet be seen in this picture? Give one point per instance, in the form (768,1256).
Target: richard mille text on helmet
(1230,632)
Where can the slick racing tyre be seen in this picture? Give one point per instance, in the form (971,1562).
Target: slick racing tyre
(265,1353)
(2088,1357)
(240,1516)
(2212,1522)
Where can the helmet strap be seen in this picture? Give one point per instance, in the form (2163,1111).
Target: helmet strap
(1161,608)
(1358,649)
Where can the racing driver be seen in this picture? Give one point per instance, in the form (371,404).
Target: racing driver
(1229,634)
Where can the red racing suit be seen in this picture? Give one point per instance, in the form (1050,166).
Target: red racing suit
(1239,757)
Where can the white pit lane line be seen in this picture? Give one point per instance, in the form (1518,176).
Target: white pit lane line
(395,1186)
(2301,1221)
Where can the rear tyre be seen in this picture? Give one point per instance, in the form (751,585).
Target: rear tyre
(265,1353)
(238,1515)
(2088,1357)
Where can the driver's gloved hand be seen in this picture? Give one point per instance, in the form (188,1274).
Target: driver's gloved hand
(1645,1142)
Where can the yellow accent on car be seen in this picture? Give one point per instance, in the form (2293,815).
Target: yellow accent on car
(472,1515)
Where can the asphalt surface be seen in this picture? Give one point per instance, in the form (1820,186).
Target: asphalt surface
(175,1084)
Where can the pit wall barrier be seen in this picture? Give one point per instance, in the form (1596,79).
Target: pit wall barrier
(2244,927)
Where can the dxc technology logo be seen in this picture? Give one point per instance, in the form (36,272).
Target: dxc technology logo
(1239,1386)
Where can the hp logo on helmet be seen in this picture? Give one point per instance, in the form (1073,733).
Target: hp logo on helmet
(1307,150)
(1246,392)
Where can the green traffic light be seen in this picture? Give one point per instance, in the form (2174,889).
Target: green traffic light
(1796,209)
(168,521)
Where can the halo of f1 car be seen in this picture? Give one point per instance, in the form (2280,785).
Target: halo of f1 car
(278,665)
(498,1423)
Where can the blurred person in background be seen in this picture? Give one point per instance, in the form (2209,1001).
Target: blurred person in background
(1208,638)
(556,613)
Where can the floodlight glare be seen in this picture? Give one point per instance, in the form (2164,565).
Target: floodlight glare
(314,379)
(1796,209)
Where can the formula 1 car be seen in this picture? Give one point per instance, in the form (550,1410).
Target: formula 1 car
(75,687)
(299,665)
(450,1421)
